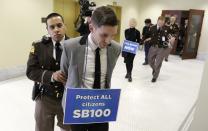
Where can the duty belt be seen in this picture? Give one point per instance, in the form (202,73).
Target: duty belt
(158,46)
(54,92)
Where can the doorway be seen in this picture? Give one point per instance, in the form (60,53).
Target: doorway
(187,41)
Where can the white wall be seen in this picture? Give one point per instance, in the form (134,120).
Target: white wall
(20,22)
(199,122)
(20,25)
(153,8)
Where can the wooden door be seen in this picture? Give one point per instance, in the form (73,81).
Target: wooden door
(118,11)
(68,9)
(193,34)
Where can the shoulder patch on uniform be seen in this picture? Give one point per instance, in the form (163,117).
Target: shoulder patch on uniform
(32,50)
(37,41)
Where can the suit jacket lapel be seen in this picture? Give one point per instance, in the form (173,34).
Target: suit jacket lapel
(81,59)
(109,65)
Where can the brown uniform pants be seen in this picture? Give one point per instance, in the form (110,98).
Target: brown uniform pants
(168,52)
(46,109)
(155,59)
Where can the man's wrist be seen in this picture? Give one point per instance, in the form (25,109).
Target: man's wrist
(52,79)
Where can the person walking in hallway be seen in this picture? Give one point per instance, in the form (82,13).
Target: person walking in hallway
(160,43)
(173,32)
(88,61)
(43,67)
(145,36)
(131,34)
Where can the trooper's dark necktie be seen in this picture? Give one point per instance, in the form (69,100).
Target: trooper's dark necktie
(97,70)
(58,52)
(158,30)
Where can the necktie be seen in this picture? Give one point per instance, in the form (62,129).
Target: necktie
(58,52)
(97,70)
(158,30)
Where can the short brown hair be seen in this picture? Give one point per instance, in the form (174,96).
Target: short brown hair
(161,18)
(104,16)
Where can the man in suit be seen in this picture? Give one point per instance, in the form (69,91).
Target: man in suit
(160,42)
(88,61)
(43,67)
(145,36)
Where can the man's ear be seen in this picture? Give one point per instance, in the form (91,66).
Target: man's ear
(65,28)
(91,28)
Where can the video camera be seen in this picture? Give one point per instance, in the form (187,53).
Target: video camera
(85,11)
(86,7)
(168,42)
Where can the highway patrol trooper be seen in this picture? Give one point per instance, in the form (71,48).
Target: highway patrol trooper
(173,31)
(43,68)
(182,37)
(160,41)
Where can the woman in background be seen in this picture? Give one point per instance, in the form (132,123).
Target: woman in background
(131,34)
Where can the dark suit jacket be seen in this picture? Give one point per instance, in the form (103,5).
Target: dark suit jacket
(156,37)
(132,34)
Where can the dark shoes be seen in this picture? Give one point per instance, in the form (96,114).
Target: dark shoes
(154,80)
(166,59)
(145,63)
(128,76)
(130,79)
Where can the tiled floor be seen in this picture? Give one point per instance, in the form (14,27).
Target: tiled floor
(144,106)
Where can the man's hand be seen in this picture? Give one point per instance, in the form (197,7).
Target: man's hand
(172,40)
(146,40)
(59,76)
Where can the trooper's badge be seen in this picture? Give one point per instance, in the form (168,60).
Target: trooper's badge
(32,50)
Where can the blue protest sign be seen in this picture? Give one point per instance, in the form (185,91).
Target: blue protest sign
(91,105)
(130,47)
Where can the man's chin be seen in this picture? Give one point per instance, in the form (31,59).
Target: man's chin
(103,45)
(58,38)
